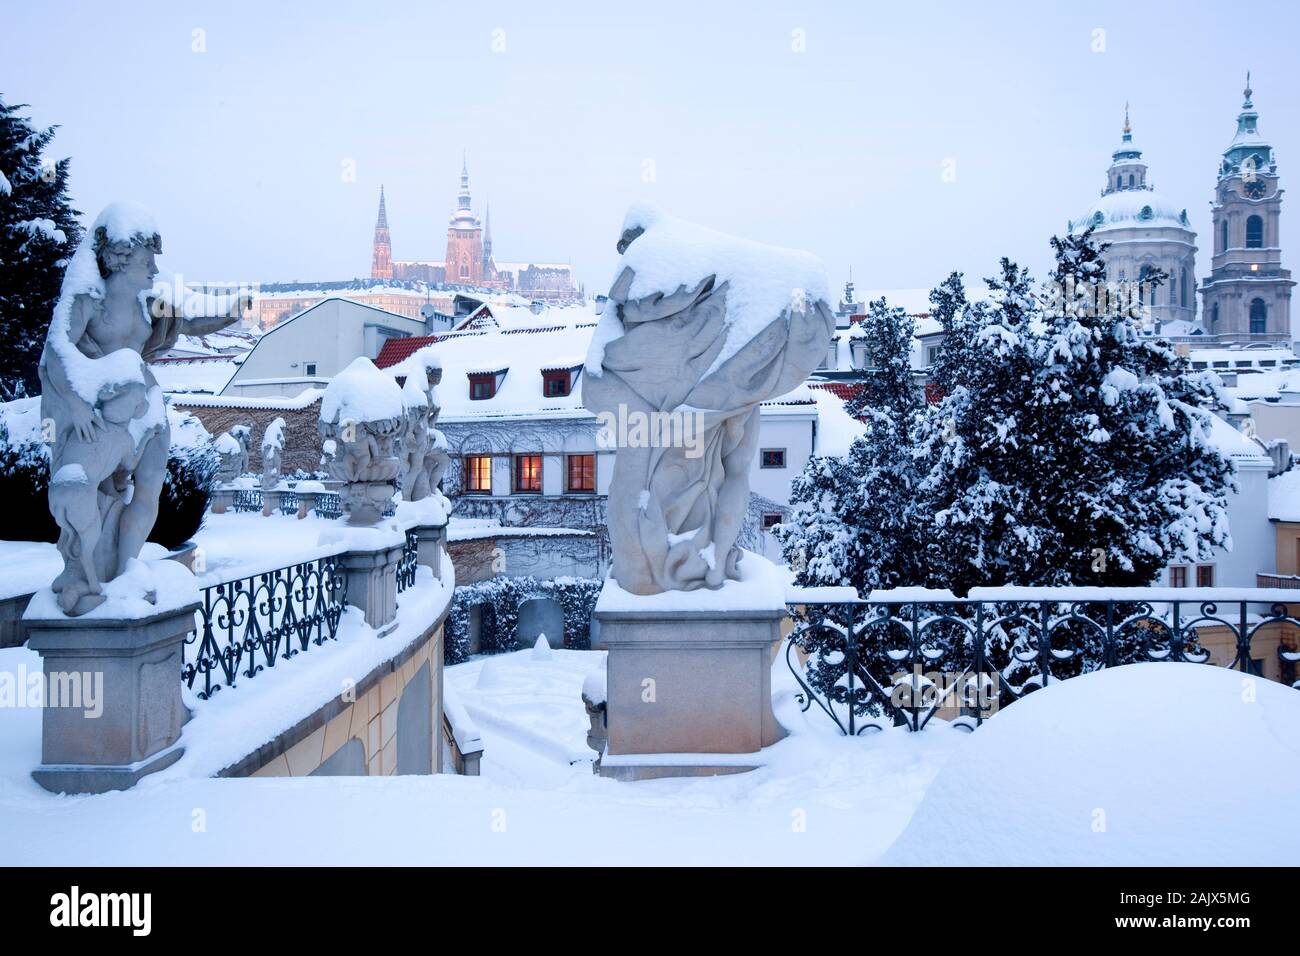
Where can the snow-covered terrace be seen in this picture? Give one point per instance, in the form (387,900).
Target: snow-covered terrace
(1023,789)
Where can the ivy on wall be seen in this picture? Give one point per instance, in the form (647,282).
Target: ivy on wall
(501,598)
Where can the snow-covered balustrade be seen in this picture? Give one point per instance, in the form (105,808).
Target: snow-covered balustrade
(254,622)
(248,623)
(902,656)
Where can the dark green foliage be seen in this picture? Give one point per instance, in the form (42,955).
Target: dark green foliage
(38,233)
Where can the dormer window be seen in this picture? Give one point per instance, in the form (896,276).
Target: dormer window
(555,384)
(485,384)
(558,382)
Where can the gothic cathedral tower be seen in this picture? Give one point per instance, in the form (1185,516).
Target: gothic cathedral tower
(464,239)
(1247,296)
(381,258)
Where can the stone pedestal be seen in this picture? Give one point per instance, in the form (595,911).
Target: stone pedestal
(366,501)
(307,502)
(372,584)
(270,502)
(113,703)
(431,538)
(689,692)
(222,499)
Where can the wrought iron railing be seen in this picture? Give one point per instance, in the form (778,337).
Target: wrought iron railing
(288,503)
(329,505)
(886,660)
(247,500)
(250,623)
(409,561)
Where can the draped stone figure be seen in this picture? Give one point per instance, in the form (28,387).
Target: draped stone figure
(415,441)
(272,454)
(676,380)
(436,459)
(111,436)
(232,450)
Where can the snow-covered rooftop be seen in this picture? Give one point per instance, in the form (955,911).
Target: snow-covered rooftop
(1234,444)
(1132,208)
(1284,496)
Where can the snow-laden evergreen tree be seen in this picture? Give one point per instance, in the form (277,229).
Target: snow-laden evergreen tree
(38,234)
(960,320)
(849,522)
(1072,450)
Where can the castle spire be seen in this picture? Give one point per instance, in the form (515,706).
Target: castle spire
(381,253)
(1128,128)
(462,217)
(1247,104)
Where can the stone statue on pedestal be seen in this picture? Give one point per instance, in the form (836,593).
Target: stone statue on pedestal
(272,454)
(111,437)
(362,413)
(232,449)
(682,357)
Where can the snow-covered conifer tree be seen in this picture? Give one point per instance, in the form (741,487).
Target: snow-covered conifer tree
(1072,450)
(38,233)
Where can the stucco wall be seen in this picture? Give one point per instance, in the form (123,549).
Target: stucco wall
(327,740)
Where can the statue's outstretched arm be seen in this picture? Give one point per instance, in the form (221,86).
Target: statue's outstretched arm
(204,324)
(170,322)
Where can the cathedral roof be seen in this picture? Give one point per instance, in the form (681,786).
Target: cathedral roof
(1131,206)
(1129,209)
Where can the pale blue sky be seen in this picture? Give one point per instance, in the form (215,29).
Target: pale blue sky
(838,149)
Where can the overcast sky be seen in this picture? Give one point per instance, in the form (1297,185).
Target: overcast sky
(827,127)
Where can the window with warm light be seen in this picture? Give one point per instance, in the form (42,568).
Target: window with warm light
(478,474)
(528,474)
(582,473)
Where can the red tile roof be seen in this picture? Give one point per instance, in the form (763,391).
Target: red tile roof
(397,350)
(844,391)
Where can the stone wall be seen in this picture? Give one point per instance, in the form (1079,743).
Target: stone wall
(394,725)
(301,441)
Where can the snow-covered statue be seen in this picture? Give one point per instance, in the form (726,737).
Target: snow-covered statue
(111,436)
(700,327)
(232,452)
(437,459)
(272,454)
(415,443)
(328,449)
(362,413)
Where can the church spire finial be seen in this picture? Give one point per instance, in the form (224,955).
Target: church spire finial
(1247,93)
(383,212)
(1128,127)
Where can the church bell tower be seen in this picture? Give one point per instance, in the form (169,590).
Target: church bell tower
(1247,296)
